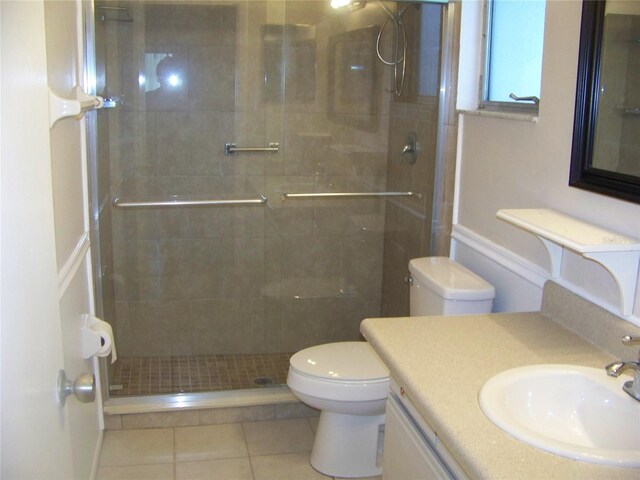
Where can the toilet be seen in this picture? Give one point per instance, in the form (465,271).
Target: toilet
(349,384)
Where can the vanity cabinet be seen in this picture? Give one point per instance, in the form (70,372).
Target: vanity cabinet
(412,450)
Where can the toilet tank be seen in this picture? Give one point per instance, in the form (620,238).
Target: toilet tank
(442,286)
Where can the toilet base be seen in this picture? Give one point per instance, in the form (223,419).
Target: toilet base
(348,445)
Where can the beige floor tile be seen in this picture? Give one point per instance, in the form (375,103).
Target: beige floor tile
(223,469)
(278,436)
(163,471)
(160,420)
(209,442)
(137,447)
(289,466)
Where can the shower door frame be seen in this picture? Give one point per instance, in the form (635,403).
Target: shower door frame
(95,203)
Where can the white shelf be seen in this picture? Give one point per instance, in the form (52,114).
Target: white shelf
(617,253)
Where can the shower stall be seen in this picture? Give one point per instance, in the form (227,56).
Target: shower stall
(261,178)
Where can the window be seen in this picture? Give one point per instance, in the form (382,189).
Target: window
(513,33)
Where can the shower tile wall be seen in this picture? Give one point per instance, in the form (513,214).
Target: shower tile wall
(413,228)
(408,221)
(241,279)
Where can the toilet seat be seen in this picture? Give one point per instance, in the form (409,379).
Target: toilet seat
(350,361)
(343,371)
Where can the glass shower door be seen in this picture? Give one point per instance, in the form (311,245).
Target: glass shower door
(215,296)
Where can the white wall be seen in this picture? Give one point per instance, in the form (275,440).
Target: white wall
(505,163)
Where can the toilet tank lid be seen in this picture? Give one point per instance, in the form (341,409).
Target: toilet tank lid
(355,361)
(450,280)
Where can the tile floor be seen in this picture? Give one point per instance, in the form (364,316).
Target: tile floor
(195,373)
(269,450)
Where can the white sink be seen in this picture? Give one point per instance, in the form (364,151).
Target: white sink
(576,412)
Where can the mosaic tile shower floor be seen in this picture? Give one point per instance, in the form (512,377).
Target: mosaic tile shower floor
(196,373)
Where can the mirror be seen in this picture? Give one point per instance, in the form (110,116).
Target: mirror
(605,156)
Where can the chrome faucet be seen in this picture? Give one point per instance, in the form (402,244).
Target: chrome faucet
(615,369)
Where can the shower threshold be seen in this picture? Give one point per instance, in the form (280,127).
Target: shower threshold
(198,401)
(156,384)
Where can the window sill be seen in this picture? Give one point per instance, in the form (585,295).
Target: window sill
(522,117)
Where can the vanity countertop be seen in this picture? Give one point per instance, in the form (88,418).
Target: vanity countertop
(442,362)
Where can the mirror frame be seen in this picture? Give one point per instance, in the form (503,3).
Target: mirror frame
(583,174)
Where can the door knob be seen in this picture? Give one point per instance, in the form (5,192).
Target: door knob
(84,388)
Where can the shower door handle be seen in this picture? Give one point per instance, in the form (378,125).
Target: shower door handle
(112,102)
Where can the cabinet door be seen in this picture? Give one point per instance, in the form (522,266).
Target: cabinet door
(407,455)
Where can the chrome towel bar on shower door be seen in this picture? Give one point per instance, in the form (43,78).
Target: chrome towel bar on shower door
(185,202)
(231,148)
(285,196)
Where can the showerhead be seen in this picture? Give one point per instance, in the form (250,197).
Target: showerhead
(348,4)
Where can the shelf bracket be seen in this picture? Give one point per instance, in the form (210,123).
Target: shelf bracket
(618,265)
(555,255)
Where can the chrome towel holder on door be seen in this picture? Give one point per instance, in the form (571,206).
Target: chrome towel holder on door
(286,196)
(185,202)
(231,148)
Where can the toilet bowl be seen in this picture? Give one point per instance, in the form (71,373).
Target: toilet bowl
(349,384)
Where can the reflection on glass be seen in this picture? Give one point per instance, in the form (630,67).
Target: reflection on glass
(353,81)
(162,80)
(617,139)
(290,57)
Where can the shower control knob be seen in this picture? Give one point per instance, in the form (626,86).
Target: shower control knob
(84,387)
(409,153)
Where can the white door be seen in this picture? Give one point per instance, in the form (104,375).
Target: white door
(45,283)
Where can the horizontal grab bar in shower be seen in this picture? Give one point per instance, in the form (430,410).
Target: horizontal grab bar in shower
(231,148)
(285,196)
(180,202)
